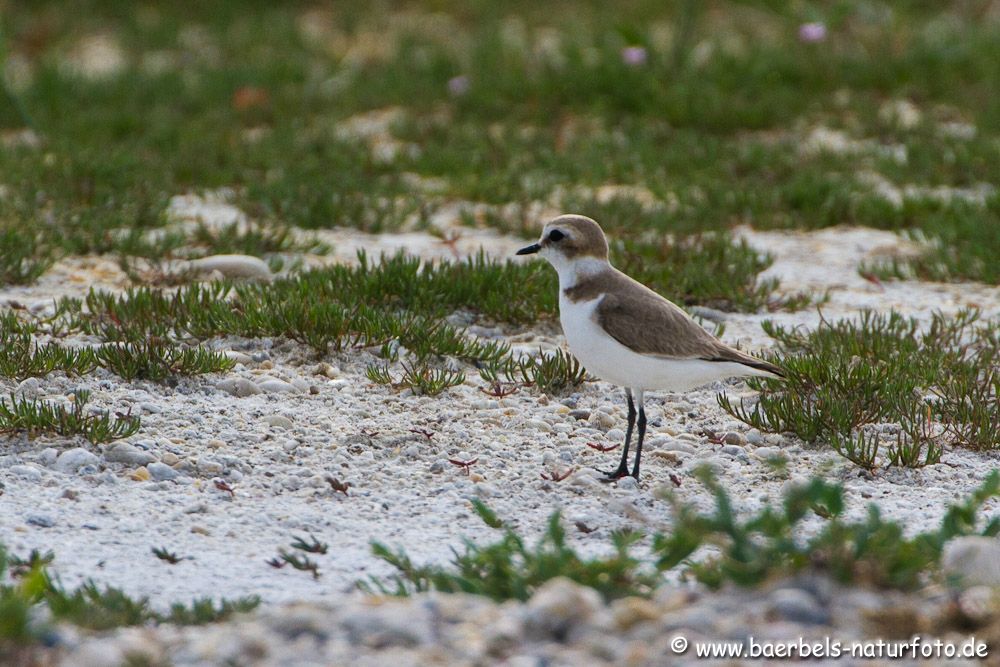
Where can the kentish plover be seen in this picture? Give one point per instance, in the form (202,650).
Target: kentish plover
(625,333)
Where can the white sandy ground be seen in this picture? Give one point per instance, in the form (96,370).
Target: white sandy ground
(275,448)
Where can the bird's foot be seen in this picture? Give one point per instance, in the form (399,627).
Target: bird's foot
(614,475)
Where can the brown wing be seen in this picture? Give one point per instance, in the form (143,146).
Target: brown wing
(644,321)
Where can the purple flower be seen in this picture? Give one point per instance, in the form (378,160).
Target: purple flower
(634,56)
(810,33)
(458,85)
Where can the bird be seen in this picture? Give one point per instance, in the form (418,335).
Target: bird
(625,333)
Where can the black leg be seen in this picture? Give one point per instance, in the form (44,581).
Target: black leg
(622,470)
(642,434)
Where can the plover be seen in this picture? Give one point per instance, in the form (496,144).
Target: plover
(627,334)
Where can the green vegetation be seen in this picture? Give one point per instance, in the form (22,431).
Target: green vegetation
(694,120)
(33,590)
(23,415)
(768,545)
(939,385)
(551,373)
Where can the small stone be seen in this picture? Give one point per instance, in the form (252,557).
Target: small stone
(238,357)
(275,386)
(412,452)
(388,625)
(601,420)
(733,450)
(558,606)
(979,604)
(671,445)
(539,425)
(30,473)
(799,606)
(972,560)
(290,444)
(28,388)
(48,456)
(243,267)
(170,459)
(615,435)
(581,415)
(754,437)
(279,421)
(734,438)
(140,474)
(70,494)
(161,472)
(438,466)
(238,387)
(632,610)
(41,520)
(627,483)
(72,460)
(123,452)
(210,467)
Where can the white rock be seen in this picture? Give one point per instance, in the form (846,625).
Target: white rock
(279,421)
(161,472)
(28,388)
(27,472)
(238,387)
(123,452)
(73,459)
(243,267)
(972,561)
(559,605)
(275,386)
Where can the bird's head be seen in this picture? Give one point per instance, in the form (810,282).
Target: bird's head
(568,239)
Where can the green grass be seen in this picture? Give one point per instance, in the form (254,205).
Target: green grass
(33,600)
(938,385)
(746,551)
(712,124)
(34,417)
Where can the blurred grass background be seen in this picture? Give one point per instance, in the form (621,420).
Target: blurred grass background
(664,120)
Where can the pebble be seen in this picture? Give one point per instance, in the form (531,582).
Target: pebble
(28,388)
(279,421)
(140,474)
(275,386)
(161,472)
(601,420)
(558,606)
(41,520)
(389,625)
(615,435)
(798,606)
(734,438)
(581,415)
(170,459)
(238,387)
(72,460)
(972,560)
(733,450)
(671,445)
(539,425)
(238,357)
(123,452)
(627,483)
(754,437)
(28,472)
(243,267)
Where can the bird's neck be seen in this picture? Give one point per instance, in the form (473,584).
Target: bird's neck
(573,271)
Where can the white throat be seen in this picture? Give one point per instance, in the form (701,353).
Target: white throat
(571,271)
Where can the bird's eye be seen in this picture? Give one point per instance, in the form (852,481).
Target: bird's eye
(556,235)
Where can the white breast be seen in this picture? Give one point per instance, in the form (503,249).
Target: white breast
(609,360)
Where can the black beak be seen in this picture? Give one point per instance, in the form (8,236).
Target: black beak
(529,250)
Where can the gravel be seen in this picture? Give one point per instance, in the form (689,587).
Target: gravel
(254,451)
